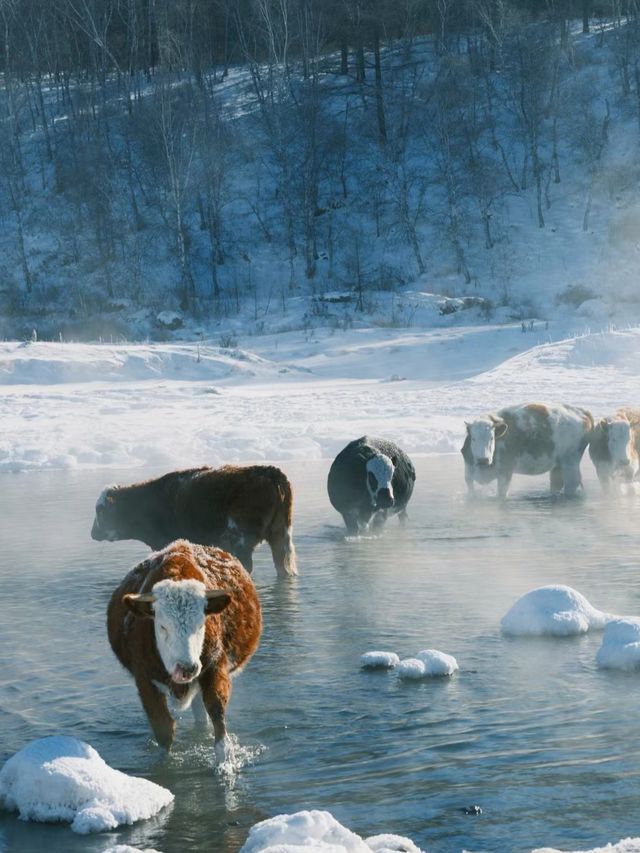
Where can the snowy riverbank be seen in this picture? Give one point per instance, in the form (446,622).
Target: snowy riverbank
(290,396)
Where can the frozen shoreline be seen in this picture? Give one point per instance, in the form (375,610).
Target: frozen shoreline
(291,396)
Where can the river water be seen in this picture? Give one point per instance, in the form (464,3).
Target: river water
(529,730)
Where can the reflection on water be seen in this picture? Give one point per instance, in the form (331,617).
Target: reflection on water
(529,730)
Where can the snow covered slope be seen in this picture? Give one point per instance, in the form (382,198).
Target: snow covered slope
(290,396)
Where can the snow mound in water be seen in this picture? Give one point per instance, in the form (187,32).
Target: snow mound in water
(627,845)
(379,660)
(556,611)
(317,832)
(620,647)
(391,844)
(427,664)
(63,779)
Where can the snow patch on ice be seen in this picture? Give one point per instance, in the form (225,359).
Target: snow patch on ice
(379,660)
(620,647)
(555,611)
(317,832)
(626,845)
(63,779)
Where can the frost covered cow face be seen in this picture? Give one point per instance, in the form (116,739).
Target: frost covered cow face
(620,445)
(379,481)
(178,609)
(105,525)
(482,438)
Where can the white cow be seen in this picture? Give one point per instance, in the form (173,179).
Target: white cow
(527,439)
(615,447)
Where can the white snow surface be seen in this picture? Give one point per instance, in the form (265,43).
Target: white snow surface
(63,779)
(294,395)
(379,660)
(620,647)
(428,663)
(126,848)
(626,845)
(317,832)
(555,611)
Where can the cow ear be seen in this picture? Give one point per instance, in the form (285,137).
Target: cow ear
(394,461)
(217,600)
(604,425)
(500,429)
(139,605)
(468,425)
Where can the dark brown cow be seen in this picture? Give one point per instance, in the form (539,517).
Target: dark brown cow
(232,507)
(615,447)
(182,622)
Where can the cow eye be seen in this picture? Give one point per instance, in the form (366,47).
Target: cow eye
(164,630)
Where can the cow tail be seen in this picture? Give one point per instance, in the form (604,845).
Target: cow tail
(280,537)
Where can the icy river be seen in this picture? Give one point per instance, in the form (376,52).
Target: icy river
(529,730)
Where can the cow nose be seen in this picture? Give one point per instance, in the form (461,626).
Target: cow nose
(96,533)
(188,669)
(483,460)
(384,499)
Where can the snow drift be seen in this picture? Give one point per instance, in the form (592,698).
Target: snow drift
(427,664)
(63,779)
(554,611)
(317,832)
(379,660)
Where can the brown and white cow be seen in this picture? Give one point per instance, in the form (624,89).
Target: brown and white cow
(182,622)
(527,439)
(615,447)
(233,507)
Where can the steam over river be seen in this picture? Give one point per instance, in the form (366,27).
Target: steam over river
(528,729)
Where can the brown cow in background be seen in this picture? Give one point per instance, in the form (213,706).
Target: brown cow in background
(233,507)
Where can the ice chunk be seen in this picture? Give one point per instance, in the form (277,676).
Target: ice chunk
(379,660)
(317,832)
(557,611)
(620,647)
(63,779)
(426,664)
(437,663)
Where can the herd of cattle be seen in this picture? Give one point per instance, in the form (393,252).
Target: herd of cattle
(188,617)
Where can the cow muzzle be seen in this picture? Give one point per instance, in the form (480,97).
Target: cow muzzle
(384,500)
(483,462)
(183,673)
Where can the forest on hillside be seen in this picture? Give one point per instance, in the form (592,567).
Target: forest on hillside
(181,153)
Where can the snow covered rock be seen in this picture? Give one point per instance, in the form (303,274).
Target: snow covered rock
(620,647)
(63,779)
(427,664)
(317,832)
(556,611)
(379,660)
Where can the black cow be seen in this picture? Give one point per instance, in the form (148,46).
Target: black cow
(368,480)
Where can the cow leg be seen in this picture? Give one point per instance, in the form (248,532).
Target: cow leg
(155,705)
(556,480)
(469,479)
(244,553)
(379,519)
(351,523)
(200,715)
(504,481)
(604,475)
(216,689)
(283,552)
(571,476)
(403,517)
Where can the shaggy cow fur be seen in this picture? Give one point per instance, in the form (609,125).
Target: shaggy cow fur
(233,507)
(205,592)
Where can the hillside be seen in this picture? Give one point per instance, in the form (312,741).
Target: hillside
(254,199)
